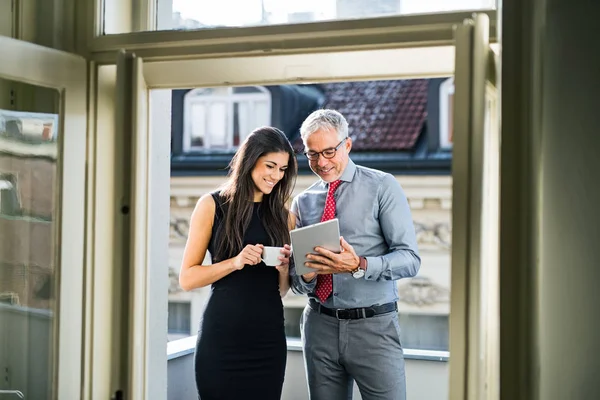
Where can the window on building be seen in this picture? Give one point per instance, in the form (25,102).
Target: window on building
(425,332)
(292,321)
(221,118)
(446,113)
(179,318)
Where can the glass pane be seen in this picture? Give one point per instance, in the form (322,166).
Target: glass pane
(198,14)
(447,112)
(29,183)
(198,124)
(125,16)
(37,21)
(179,320)
(240,115)
(246,89)
(217,125)
(262,113)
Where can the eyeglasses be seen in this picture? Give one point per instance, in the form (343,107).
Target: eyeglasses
(327,153)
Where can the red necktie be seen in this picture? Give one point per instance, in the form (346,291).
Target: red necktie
(325,282)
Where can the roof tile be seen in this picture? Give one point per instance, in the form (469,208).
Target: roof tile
(382,115)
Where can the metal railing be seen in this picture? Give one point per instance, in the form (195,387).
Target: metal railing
(17,393)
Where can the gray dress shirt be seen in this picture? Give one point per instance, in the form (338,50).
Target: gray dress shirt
(375,219)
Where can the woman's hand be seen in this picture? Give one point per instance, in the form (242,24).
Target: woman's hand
(284,270)
(284,267)
(250,255)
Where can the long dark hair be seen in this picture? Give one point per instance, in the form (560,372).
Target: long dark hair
(238,193)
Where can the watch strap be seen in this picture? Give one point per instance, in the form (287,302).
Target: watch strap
(362,263)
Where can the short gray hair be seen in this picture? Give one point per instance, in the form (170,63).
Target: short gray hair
(324,119)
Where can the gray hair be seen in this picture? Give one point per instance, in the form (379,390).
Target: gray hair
(324,119)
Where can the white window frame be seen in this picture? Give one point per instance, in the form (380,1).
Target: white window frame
(195,96)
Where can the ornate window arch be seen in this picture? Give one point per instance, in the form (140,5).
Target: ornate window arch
(221,118)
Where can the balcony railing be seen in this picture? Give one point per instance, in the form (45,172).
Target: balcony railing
(426,372)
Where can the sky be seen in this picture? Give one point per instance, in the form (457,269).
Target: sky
(246,12)
(243,12)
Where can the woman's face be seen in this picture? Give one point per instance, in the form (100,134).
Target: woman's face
(267,172)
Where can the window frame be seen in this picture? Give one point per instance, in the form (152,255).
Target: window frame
(401,31)
(383,48)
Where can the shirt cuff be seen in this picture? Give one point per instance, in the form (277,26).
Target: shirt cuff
(304,287)
(374,268)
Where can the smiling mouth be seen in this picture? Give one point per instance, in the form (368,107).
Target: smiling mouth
(270,183)
(325,171)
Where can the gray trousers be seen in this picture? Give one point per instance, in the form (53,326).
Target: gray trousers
(339,352)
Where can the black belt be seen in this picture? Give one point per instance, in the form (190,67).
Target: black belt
(353,313)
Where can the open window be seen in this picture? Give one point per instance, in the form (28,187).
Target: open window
(43,148)
(474,326)
(142,172)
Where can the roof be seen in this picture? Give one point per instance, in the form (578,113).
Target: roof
(383,116)
(394,126)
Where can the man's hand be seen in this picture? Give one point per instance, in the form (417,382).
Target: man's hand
(328,262)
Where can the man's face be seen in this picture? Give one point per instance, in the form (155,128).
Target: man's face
(327,139)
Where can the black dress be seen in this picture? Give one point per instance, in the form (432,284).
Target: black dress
(241,350)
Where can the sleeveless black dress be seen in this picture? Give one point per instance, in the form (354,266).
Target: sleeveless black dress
(241,350)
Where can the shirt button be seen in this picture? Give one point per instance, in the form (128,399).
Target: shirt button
(335,294)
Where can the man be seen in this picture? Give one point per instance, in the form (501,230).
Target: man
(350,329)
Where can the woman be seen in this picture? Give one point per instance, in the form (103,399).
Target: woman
(241,349)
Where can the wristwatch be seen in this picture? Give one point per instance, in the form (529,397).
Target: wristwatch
(362,267)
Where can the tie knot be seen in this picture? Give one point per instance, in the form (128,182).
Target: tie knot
(333,186)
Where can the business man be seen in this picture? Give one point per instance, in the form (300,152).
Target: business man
(350,329)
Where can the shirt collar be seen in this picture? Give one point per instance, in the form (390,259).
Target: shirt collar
(347,175)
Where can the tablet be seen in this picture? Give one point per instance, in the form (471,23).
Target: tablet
(304,240)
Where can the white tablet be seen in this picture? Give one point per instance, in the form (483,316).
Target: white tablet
(304,240)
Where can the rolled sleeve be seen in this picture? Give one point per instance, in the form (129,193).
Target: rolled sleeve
(398,229)
(298,285)
(301,287)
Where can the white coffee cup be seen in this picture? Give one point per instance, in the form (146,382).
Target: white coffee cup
(270,255)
